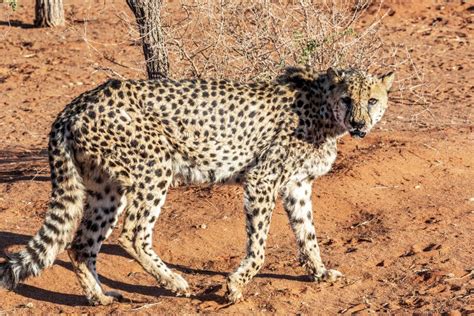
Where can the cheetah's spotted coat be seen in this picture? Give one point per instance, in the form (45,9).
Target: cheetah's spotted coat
(118,148)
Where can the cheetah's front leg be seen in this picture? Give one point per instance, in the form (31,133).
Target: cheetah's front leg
(145,200)
(297,203)
(259,204)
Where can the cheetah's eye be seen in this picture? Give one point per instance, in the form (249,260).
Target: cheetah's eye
(372,102)
(347,101)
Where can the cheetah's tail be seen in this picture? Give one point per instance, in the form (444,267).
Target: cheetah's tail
(60,222)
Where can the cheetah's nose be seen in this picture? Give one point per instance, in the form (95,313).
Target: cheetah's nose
(357,124)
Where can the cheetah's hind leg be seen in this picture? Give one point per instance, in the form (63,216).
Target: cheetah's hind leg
(105,201)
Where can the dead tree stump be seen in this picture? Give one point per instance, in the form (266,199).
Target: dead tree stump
(147,14)
(49,13)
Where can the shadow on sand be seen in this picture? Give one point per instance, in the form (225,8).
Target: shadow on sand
(8,239)
(26,165)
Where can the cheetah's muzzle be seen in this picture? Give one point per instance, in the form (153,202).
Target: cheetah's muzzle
(357,133)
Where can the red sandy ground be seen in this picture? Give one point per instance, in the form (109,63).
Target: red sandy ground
(395,215)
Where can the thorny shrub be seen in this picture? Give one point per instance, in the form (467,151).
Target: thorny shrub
(246,40)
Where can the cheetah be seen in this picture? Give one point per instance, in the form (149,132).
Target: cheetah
(119,147)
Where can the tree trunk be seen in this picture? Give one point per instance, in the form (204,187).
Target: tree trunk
(49,13)
(147,13)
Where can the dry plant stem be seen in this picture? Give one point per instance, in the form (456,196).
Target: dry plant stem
(147,14)
(49,13)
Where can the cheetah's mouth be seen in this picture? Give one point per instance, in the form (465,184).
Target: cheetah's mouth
(357,133)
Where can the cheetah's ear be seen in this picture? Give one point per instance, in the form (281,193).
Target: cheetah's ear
(387,80)
(334,75)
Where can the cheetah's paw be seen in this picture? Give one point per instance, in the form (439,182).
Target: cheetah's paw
(234,291)
(330,276)
(106,298)
(177,284)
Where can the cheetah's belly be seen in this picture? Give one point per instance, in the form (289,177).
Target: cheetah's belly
(211,167)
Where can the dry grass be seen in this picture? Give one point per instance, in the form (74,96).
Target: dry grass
(246,40)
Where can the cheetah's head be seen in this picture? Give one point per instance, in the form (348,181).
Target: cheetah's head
(358,99)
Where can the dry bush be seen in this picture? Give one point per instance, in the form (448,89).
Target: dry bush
(246,40)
